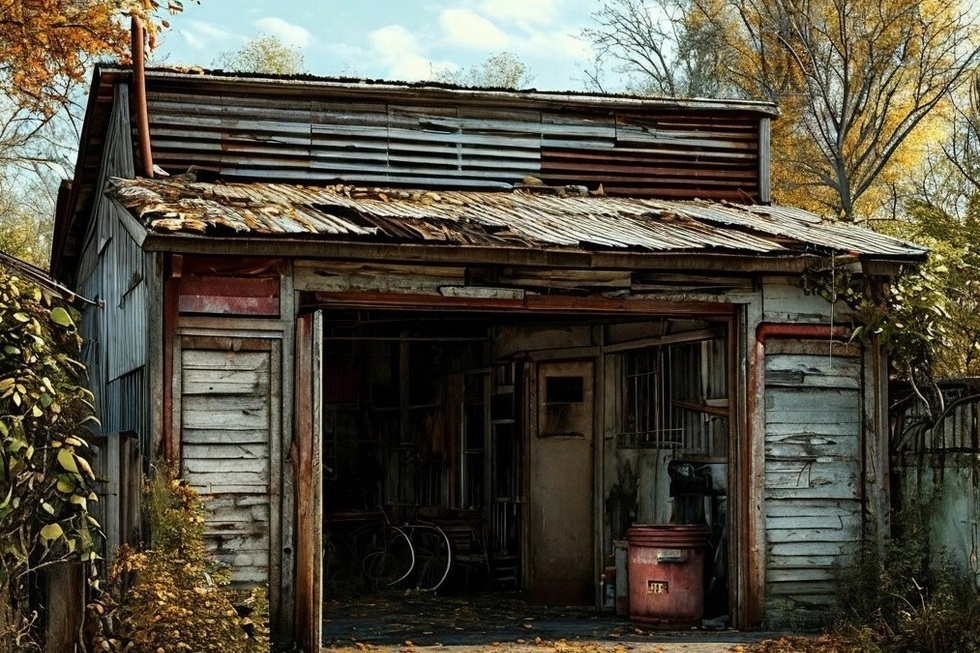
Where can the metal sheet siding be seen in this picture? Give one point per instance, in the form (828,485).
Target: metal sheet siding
(321,141)
(125,406)
(812,485)
(113,270)
(444,141)
(668,155)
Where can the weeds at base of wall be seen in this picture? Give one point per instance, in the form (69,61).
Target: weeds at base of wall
(169,597)
(903,602)
(897,602)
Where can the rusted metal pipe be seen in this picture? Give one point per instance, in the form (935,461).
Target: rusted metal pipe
(801,332)
(139,96)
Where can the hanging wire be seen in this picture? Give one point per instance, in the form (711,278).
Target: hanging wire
(833,304)
(43,279)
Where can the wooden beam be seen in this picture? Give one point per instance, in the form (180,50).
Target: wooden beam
(304,626)
(530,304)
(697,335)
(314,249)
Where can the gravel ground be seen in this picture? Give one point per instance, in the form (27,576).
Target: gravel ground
(504,623)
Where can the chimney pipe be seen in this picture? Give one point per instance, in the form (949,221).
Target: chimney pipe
(139,96)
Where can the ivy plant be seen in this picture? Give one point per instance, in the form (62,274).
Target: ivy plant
(46,477)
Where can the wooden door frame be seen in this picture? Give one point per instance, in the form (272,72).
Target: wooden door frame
(307,461)
(747,548)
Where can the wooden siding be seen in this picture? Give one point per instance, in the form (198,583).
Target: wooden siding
(440,281)
(445,142)
(229,295)
(226,410)
(812,488)
(784,301)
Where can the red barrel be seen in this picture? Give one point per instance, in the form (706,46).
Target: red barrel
(666,575)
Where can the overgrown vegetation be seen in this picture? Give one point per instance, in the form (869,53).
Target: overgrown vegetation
(168,597)
(908,316)
(905,599)
(46,480)
(911,599)
(265,54)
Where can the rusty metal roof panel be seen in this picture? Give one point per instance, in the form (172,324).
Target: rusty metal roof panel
(532,217)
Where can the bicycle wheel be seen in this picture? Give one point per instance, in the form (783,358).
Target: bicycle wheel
(392,561)
(433,557)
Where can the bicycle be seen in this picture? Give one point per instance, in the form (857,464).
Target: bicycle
(389,555)
(369,551)
(433,555)
(416,555)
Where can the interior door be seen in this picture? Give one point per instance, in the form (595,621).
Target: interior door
(560,484)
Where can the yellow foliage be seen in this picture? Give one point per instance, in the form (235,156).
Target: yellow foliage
(45,43)
(856,81)
(170,596)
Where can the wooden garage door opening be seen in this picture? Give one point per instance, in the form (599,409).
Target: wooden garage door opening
(438,413)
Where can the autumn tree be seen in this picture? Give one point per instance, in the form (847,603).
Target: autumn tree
(501,70)
(265,54)
(46,43)
(660,47)
(24,229)
(868,75)
(46,49)
(854,79)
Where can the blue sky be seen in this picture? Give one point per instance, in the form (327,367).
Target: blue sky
(391,39)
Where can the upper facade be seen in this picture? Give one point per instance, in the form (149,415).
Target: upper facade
(596,172)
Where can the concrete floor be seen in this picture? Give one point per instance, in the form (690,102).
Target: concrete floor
(501,621)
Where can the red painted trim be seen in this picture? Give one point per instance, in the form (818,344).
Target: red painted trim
(171,444)
(801,332)
(229,295)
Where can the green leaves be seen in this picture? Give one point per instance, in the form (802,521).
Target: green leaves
(45,479)
(51,532)
(67,461)
(61,317)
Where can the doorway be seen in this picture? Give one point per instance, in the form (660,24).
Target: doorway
(561,488)
(540,437)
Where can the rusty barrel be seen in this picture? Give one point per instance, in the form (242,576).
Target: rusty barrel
(666,575)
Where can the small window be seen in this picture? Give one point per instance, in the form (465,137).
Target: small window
(564,399)
(564,390)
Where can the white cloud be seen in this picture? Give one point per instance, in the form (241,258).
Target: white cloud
(290,34)
(465,28)
(344,51)
(193,40)
(200,35)
(529,11)
(557,45)
(401,54)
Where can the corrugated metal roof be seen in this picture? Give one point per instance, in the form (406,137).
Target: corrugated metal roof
(529,217)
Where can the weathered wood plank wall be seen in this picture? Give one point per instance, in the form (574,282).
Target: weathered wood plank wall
(812,489)
(225,406)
